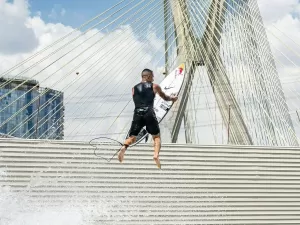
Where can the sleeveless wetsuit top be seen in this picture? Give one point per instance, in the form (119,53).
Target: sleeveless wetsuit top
(143,95)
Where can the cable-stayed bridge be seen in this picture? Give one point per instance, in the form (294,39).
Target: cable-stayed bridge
(79,88)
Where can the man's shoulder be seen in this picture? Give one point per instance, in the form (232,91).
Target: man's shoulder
(156,85)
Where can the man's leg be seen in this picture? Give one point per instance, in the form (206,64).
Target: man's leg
(127,142)
(136,126)
(153,129)
(157,146)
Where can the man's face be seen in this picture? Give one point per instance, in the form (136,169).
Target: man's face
(151,77)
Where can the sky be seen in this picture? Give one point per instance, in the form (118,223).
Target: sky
(71,13)
(29,26)
(96,54)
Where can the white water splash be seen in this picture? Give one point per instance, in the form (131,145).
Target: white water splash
(17,209)
(21,208)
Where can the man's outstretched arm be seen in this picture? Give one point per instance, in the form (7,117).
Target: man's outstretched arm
(163,95)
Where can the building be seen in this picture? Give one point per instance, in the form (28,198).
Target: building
(28,111)
(51,114)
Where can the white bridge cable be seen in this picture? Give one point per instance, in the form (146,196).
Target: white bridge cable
(210,85)
(258,17)
(129,115)
(107,75)
(296,43)
(93,111)
(282,64)
(193,122)
(102,80)
(189,124)
(264,112)
(61,47)
(61,39)
(35,86)
(269,66)
(125,92)
(200,72)
(262,107)
(254,84)
(269,71)
(119,100)
(44,92)
(58,81)
(294,90)
(128,122)
(187,96)
(174,61)
(289,48)
(195,110)
(275,48)
(239,58)
(197,53)
(194,94)
(191,97)
(189,133)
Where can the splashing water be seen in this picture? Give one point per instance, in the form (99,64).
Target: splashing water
(21,208)
(16,209)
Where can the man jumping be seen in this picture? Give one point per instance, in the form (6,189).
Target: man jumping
(144,115)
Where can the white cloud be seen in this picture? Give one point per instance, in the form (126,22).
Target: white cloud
(16,35)
(283,28)
(282,22)
(119,58)
(274,10)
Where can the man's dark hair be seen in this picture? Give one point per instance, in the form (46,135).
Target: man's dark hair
(146,70)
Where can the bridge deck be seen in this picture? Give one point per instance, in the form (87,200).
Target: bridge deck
(197,185)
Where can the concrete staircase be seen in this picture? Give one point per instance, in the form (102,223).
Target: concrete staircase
(196,185)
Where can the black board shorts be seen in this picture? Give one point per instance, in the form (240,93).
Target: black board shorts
(144,117)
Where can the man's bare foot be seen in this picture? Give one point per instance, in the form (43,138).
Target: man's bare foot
(121,153)
(156,159)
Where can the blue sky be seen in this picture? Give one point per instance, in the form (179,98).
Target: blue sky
(76,12)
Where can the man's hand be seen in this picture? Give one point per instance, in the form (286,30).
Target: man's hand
(173,98)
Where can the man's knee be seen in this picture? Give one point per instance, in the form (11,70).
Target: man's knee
(130,140)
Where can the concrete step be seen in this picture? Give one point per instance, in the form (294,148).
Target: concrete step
(196,185)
